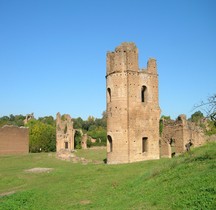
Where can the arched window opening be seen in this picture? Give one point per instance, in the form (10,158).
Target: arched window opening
(109,94)
(144,144)
(66,145)
(143,93)
(110,148)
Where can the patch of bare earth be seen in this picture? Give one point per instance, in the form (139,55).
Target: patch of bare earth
(7,193)
(85,202)
(39,170)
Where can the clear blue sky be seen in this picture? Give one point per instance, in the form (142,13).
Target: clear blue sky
(53,52)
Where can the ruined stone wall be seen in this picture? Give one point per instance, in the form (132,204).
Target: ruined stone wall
(211,138)
(84,141)
(28,117)
(195,133)
(181,132)
(14,140)
(172,138)
(132,107)
(64,133)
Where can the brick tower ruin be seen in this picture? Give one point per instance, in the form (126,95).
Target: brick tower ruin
(133,110)
(64,133)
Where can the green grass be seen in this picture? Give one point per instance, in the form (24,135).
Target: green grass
(184,182)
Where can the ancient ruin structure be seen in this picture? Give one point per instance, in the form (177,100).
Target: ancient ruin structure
(64,133)
(84,141)
(14,140)
(28,117)
(133,110)
(176,134)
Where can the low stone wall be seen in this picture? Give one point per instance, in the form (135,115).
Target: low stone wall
(14,140)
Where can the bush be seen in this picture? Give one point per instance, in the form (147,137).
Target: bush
(42,137)
(77,140)
(89,143)
(98,133)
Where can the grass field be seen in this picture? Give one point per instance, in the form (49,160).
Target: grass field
(184,182)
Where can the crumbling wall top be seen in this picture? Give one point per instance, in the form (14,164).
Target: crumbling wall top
(64,117)
(28,117)
(183,122)
(126,46)
(182,117)
(13,126)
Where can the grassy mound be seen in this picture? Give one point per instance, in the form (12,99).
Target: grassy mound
(184,182)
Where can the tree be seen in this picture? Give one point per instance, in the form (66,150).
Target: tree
(42,137)
(197,117)
(91,119)
(89,143)
(12,117)
(17,120)
(209,107)
(77,140)
(212,108)
(47,120)
(4,120)
(78,123)
(94,127)
(99,133)
(211,128)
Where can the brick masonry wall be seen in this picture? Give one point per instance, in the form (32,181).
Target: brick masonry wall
(14,140)
(181,131)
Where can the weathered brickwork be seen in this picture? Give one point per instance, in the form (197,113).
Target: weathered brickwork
(14,140)
(64,133)
(84,141)
(133,110)
(176,134)
(28,117)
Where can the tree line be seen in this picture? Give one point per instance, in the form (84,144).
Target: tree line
(42,131)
